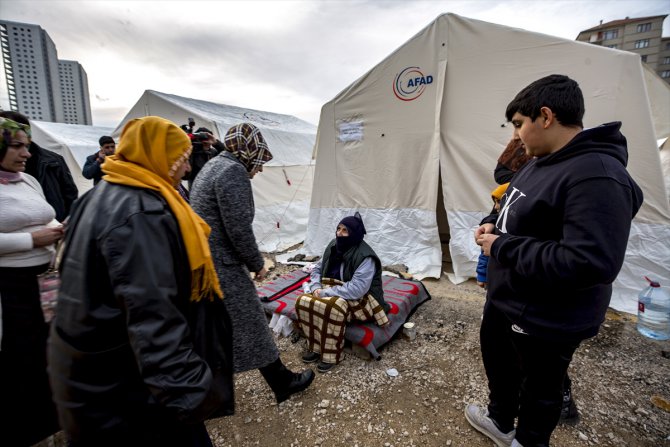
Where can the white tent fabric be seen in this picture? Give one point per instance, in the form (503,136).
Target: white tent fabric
(282,191)
(664,147)
(659,99)
(74,142)
(434,109)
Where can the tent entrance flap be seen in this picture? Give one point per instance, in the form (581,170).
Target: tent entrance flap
(443,229)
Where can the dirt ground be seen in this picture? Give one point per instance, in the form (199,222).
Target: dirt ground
(617,376)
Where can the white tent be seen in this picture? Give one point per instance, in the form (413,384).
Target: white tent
(282,191)
(431,115)
(74,142)
(664,147)
(659,99)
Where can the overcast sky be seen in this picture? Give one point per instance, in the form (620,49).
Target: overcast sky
(281,56)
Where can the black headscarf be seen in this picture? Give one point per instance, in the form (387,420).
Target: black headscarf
(357,231)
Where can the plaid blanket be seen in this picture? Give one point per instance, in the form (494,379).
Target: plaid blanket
(404,296)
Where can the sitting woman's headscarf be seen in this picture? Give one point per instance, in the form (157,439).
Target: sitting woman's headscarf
(150,151)
(357,231)
(247,144)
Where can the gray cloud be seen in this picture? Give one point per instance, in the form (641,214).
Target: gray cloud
(287,57)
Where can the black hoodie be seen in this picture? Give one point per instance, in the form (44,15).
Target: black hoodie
(563,227)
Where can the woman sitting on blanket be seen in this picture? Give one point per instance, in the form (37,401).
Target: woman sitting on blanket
(354,271)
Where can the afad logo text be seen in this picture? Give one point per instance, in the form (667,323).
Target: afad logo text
(410,83)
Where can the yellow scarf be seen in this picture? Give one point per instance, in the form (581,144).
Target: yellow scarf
(150,151)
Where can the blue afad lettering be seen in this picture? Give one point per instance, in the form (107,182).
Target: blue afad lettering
(423,80)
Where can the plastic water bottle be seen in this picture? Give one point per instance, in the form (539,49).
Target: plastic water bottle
(653,312)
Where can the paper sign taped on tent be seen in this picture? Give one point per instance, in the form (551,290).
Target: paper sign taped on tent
(349,131)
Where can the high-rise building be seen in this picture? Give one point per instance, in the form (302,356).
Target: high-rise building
(74,88)
(641,35)
(33,73)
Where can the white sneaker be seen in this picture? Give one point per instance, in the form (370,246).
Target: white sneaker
(478,417)
(515,443)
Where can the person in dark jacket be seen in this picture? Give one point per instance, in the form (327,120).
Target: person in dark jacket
(128,363)
(555,249)
(223,197)
(512,159)
(93,166)
(51,171)
(354,271)
(205,147)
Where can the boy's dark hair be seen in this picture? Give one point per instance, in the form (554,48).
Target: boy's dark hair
(15,116)
(106,140)
(558,92)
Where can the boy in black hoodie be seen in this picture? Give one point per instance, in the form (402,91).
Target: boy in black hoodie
(555,249)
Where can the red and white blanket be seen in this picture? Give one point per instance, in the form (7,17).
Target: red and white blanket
(404,296)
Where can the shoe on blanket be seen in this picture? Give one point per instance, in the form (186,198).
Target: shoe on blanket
(324,367)
(311,357)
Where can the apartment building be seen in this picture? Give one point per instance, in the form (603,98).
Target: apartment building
(74,89)
(663,69)
(33,73)
(641,35)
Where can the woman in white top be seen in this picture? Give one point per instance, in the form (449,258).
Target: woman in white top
(28,231)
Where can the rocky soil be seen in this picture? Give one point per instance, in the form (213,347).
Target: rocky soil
(615,377)
(621,382)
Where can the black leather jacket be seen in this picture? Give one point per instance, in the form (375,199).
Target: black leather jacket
(54,176)
(122,360)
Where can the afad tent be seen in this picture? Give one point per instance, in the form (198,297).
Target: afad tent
(412,144)
(74,142)
(659,98)
(282,191)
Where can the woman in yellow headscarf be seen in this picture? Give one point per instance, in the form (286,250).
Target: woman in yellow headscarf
(138,353)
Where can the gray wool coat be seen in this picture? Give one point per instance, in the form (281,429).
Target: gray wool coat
(222,196)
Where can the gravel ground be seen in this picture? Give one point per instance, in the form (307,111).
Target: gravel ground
(617,376)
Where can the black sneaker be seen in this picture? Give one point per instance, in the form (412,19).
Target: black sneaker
(311,357)
(324,367)
(569,412)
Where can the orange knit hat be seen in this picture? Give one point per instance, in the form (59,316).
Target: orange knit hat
(499,191)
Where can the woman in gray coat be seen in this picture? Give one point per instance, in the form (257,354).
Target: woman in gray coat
(222,196)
